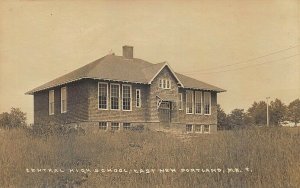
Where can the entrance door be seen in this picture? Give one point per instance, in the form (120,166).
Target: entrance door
(164,111)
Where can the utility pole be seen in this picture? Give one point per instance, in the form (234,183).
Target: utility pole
(267,111)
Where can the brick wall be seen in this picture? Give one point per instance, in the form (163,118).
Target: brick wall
(77,106)
(198,118)
(82,105)
(165,94)
(138,114)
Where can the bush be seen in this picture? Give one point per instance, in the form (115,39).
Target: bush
(55,130)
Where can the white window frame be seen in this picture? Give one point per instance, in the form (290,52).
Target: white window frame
(204,107)
(164,83)
(191,131)
(130,97)
(186,101)
(127,128)
(206,132)
(107,96)
(160,83)
(168,84)
(201,103)
(196,129)
(111,126)
(106,126)
(119,98)
(51,92)
(180,101)
(61,100)
(138,100)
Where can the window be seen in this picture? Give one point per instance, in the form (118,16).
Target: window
(103,93)
(180,101)
(114,96)
(103,126)
(207,103)
(165,83)
(198,103)
(189,102)
(126,126)
(206,128)
(115,126)
(168,85)
(198,128)
(63,101)
(138,98)
(160,83)
(189,128)
(126,91)
(51,102)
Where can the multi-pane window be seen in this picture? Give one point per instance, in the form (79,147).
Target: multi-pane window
(207,103)
(180,101)
(51,102)
(165,83)
(160,83)
(114,96)
(205,128)
(198,128)
(115,126)
(63,97)
(126,126)
(198,99)
(103,93)
(138,98)
(189,102)
(168,85)
(103,125)
(126,93)
(189,128)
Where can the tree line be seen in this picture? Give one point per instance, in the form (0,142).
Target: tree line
(237,118)
(256,115)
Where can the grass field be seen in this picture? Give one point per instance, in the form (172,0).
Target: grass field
(265,157)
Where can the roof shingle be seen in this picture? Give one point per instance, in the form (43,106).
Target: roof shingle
(111,67)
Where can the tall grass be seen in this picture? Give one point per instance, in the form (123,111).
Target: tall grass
(272,155)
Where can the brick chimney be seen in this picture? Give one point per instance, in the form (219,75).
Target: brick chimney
(128,52)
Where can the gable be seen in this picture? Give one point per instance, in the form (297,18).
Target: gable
(171,73)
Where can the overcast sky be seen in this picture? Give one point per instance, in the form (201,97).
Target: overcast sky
(249,48)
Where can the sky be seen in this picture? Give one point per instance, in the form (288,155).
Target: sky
(250,48)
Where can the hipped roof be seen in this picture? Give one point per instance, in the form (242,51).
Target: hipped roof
(119,68)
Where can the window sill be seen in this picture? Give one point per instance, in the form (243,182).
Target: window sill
(115,109)
(127,110)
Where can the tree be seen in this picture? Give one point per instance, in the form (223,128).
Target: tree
(222,119)
(257,113)
(277,112)
(236,119)
(4,120)
(16,118)
(294,111)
